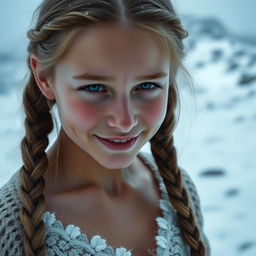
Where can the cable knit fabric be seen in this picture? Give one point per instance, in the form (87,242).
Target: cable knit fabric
(69,241)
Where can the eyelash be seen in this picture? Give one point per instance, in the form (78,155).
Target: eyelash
(157,86)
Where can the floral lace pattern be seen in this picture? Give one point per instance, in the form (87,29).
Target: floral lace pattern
(69,241)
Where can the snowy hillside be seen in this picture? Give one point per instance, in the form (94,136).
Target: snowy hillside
(215,138)
(220,148)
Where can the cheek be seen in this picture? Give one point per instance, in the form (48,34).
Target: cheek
(84,115)
(155,111)
(79,113)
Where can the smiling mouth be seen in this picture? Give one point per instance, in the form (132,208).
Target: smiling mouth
(118,145)
(119,139)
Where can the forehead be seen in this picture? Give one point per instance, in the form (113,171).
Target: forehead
(115,48)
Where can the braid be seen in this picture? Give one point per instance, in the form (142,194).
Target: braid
(38,124)
(164,153)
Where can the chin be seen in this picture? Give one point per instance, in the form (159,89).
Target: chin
(118,161)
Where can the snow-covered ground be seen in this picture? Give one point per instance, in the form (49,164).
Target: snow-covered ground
(215,137)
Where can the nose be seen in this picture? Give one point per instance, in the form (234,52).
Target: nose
(122,116)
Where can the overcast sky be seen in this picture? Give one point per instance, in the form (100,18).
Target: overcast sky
(237,16)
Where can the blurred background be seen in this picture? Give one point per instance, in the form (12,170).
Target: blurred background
(216,134)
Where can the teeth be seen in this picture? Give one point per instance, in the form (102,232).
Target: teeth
(119,141)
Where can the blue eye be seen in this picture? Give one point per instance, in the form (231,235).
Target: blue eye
(149,88)
(94,88)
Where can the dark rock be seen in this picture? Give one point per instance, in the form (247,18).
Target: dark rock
(190,45)
(206,26)
(200,64)
(247,40)
(213,27)
(247,79)
(217,54)
(252,61)
(232,192)
(239,119)
(251,94)
(210,27)
(4,88)
(210,105)
(239,53)
(213,172)
(232,66)
(5,57)
(246,245)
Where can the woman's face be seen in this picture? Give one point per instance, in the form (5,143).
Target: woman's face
(100,91)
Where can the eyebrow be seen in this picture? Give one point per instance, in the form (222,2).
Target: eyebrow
(87,76)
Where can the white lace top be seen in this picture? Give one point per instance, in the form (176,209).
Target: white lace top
(70,241)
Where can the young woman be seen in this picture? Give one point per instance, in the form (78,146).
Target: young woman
(109,66)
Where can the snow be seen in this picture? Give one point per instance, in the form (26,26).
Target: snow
(216,131)
(223,137)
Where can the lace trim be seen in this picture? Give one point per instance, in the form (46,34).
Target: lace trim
(70,241)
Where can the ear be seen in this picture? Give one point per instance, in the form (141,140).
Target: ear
(42,80)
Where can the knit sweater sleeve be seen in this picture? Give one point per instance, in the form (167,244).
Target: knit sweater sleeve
(10,229)
(196,206)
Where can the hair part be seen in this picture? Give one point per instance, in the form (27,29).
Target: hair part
(58,24)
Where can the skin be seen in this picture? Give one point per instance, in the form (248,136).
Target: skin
(122,107)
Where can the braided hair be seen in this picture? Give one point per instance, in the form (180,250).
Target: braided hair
(58,23)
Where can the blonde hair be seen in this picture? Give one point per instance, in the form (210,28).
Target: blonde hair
(58,23)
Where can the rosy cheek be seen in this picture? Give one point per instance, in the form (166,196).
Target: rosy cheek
(86,115)
(155,111)
(81,114)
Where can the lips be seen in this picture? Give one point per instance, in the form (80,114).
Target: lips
(119,138)
(111,140)
(117,146)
